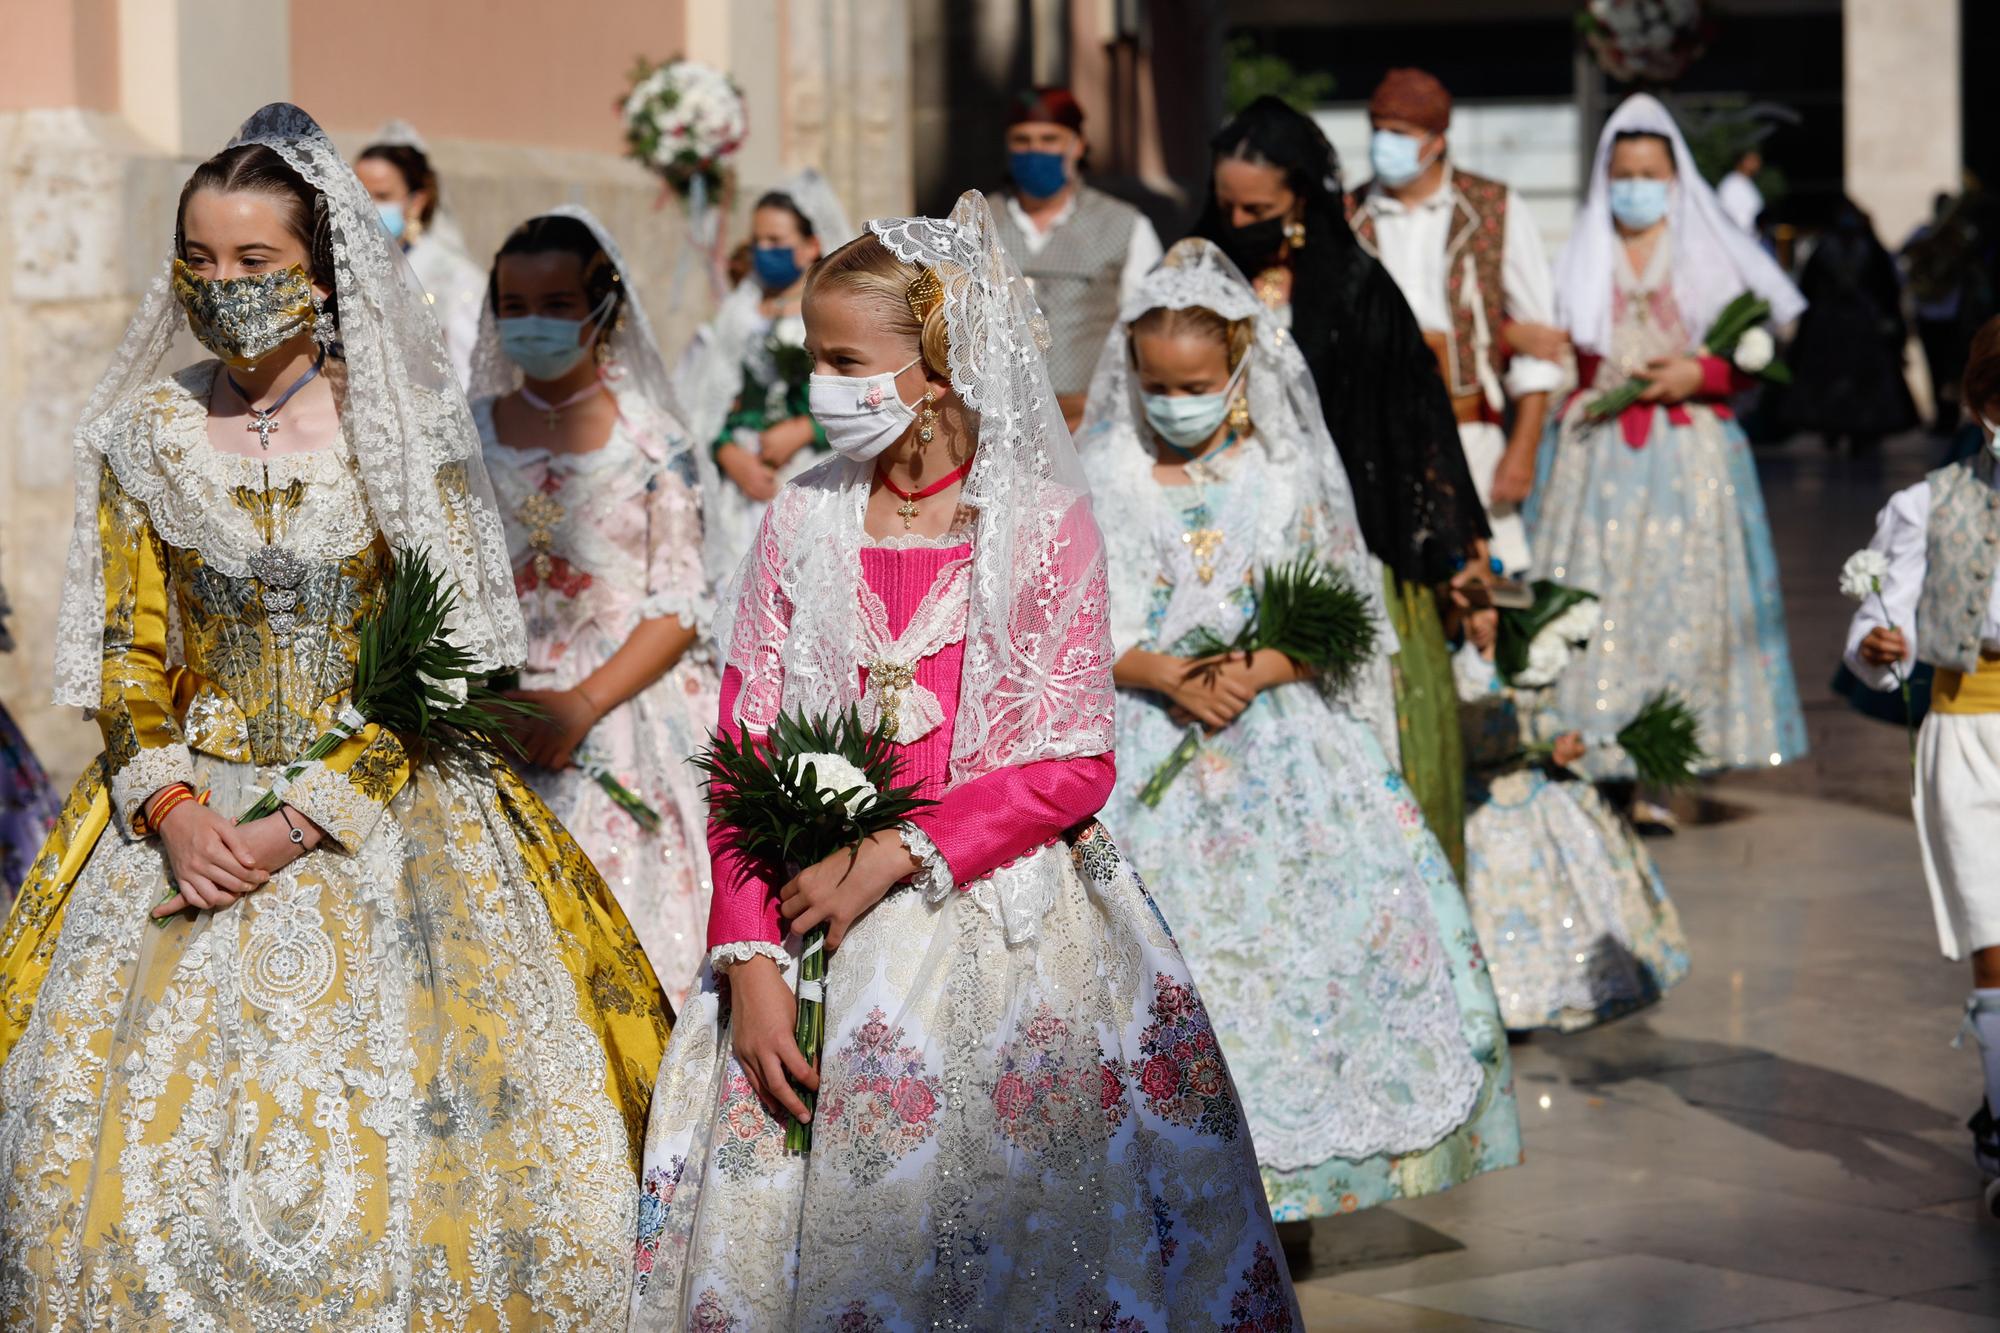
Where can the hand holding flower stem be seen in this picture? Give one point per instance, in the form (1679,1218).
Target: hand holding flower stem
(1860,579)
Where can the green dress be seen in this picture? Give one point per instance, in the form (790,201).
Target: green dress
(1427,715)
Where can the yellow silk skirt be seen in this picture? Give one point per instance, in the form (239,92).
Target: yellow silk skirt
(401,1087)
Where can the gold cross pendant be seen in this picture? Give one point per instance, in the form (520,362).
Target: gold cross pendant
(1202,545)
(908,509)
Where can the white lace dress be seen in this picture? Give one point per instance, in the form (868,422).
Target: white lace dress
(602,541)
(1317,910)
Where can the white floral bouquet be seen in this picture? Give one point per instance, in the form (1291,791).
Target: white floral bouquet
(685,122)
(1645,41)
(1536,643)
(1739,334)
(809,789)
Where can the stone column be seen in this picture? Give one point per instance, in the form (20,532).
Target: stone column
(1902,107)
(848,100)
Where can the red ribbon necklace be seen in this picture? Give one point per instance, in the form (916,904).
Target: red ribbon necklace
(908,509)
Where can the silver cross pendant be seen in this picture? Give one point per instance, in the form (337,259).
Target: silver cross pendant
(264,423)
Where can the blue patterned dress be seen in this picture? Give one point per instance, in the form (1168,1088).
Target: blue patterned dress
(1671,536)
(1321,920)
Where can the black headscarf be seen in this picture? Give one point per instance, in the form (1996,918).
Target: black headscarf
(1385,402)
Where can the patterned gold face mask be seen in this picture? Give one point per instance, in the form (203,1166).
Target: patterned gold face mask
(242,320)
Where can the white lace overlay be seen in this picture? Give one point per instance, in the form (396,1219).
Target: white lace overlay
(1036,681)
(401,408)
(144,774)
(897,705)
(1306,503)
(935,880)
(725,956)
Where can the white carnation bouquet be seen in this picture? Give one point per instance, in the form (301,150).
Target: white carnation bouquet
(1861,578)
(811,788)
(685,122)
(1537,643)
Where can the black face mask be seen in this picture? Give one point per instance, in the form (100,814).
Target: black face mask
(1253,247)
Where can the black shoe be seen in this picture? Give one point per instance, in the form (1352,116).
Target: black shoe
(1985,1141)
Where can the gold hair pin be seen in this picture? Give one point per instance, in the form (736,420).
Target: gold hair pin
(924,294)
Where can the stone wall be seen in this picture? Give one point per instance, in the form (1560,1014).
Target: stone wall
(88,215)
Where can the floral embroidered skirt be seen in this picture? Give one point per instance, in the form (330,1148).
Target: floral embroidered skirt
(1330,940)
(1036,1135)
(400,1087)
(1576,922)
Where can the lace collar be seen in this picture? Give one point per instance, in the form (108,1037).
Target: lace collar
(164,459)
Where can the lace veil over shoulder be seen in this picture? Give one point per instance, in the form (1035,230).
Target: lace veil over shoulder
(402,414)
(1037,675)
(1289,429)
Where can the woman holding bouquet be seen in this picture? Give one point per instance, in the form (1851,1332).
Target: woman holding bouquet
(1022,1117)
(597,480)
(1656,509)
(324,1068)
(744,376)
(1372,1067)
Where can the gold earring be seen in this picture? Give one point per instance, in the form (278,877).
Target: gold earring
(1239,413)
(927,419)
(1295,234)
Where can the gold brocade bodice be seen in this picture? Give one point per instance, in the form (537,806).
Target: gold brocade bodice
(235,589)
(271,656)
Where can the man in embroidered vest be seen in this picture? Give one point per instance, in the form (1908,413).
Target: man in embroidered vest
(1932,596)
(1469,261)
(1080,249)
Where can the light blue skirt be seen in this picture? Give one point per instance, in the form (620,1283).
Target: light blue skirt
(1673,539)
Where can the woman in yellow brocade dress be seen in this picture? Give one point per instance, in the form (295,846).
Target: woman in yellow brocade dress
(377,1061)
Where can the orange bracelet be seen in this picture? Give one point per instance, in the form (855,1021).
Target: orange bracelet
(177,794)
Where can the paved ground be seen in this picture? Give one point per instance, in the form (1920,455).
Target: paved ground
(1780,1145)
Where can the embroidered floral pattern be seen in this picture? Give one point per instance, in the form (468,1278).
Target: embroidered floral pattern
(1056,1092)
(1261,1304)
(656,1195)
(877,1100)
(749,1139)
(1183,1077)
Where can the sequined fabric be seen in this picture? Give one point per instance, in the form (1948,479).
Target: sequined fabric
(1573,914)
(242,320)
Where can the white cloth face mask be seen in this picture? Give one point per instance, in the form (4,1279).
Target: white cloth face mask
(861,414)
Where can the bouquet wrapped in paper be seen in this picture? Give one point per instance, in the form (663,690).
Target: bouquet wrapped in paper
(1739,335)
(1307,610)
(810,789)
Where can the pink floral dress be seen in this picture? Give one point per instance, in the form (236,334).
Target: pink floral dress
(1024,1119)
(602,541)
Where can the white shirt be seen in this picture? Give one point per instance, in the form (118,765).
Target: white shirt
(1901,533)
(1142,251)
(1411,239)
(1740,199)
(455,287)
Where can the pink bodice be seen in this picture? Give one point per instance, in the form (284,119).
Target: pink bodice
(981,825)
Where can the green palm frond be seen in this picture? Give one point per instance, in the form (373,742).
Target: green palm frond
(1310,612)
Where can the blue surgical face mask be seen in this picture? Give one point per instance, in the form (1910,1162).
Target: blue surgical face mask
(544,347)
(1397,158)
(1038,175)
(776,266)
(1639,201)
(392,217)
(1185,420)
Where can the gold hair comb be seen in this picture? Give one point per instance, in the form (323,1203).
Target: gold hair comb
(924,294)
